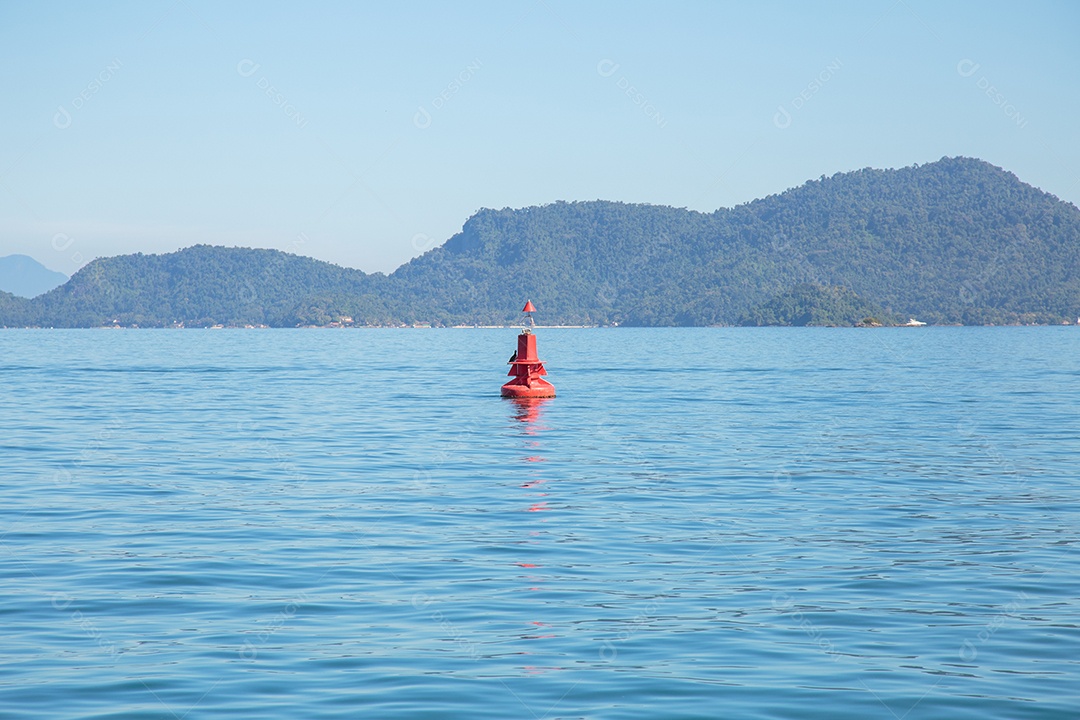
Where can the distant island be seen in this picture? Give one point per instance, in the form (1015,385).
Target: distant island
(957,241)
(24,276)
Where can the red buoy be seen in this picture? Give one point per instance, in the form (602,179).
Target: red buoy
(526,368)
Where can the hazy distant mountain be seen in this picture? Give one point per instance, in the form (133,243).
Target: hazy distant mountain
(24,276)
(955,241)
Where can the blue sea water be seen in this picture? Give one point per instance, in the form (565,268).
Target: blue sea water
(705,523)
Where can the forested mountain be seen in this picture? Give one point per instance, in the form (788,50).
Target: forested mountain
(810,304)
(201,285)
(955,241)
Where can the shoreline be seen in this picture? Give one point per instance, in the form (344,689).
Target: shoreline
(535,327)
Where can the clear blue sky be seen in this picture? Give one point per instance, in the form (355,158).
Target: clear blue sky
(364,133)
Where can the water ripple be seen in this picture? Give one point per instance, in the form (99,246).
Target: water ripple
(730,522)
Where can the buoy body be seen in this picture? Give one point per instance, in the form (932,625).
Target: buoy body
(527,370)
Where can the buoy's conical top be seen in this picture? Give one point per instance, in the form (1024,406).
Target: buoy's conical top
(528,307)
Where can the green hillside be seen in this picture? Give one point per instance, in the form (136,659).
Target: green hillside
(955,241)
(809,304)
(958,240)
(201,285)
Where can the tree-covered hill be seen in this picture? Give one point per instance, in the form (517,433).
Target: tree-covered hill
(201,285)
(809,304)
(955,241)
(958,240)
(13,309)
